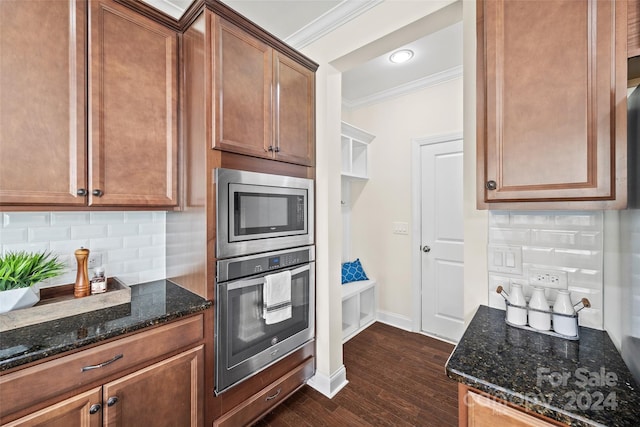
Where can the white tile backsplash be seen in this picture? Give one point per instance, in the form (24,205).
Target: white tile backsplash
(70,218)
(570,243)
(28,219)
(132,244)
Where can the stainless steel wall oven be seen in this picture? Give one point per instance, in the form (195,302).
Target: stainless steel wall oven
(246,341)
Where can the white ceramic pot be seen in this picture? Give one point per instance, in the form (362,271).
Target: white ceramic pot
(19,298)
(517,315)
(538,301)
(562,324)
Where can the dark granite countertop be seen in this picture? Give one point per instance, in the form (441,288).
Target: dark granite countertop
(577,383)
(152,303)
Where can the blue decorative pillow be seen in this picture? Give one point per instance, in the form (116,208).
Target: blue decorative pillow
(353,271)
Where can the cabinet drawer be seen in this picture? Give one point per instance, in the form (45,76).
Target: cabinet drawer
(30,386)
(265,400)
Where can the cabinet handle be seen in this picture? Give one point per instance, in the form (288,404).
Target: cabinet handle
(277,149)
(82,192)
(112,401)
(273,396)
(270,148)
(100,365)
(491,185)
(95,408)
(97,192)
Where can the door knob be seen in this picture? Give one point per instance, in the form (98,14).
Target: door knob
(426,249)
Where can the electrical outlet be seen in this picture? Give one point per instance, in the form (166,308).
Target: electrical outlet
(548,278)
(95,259)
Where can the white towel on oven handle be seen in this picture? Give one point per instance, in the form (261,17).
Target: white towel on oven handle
(276,294)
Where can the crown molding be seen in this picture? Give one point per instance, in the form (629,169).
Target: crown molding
(329,21)
(404,89)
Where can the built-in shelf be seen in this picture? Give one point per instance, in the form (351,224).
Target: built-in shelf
(359,301)
(355,146)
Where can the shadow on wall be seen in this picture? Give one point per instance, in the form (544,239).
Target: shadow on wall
(630,239)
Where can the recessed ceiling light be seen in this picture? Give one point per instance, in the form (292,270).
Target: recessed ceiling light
(401,56)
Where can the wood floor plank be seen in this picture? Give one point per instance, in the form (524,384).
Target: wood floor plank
(396,378)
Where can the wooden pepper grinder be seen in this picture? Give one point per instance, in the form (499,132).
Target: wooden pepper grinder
(82,287)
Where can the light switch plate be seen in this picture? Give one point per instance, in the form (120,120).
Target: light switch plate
(400,228)
(505,259)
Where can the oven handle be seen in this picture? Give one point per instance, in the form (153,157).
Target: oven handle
(243,283)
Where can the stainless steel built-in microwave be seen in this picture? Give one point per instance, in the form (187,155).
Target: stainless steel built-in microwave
(258,212)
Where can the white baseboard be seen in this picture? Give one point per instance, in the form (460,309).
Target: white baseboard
(396,320)
(329,385)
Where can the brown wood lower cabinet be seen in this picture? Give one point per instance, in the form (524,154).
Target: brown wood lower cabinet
(479,410)
(168,393)
(152,378)
(269,397)
(79,410)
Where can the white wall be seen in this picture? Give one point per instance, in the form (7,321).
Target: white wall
(131,244)
(386,197)
(629,305)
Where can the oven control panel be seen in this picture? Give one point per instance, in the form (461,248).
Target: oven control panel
(257,264)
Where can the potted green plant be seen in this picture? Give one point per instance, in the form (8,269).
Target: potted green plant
(20,272)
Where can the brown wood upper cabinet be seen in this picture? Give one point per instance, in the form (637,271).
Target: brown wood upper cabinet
(633,28)
(551,105)
(263,100)
(42,102)
(49,156)
(133,114)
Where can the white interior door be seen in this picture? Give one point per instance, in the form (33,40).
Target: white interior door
(442,239)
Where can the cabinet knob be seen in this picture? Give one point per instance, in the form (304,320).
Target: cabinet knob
(277,149)
(491,185)
(95,408)
(97,192)
(82,192)
(270,148)
(112,400)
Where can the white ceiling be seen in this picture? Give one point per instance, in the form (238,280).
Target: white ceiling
(438,54)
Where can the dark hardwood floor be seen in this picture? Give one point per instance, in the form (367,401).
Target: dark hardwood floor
(396,378)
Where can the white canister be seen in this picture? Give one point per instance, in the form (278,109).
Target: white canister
(563,324)
(517,315)
(538,320)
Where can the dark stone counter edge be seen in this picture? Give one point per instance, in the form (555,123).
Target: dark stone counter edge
(520,400)
(113,333)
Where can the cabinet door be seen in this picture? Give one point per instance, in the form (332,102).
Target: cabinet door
(552,105)
(133,116)
(169,393)
(633,27)
(83,410)
(481,411)
(242,91)
(294,112)
(42,102)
